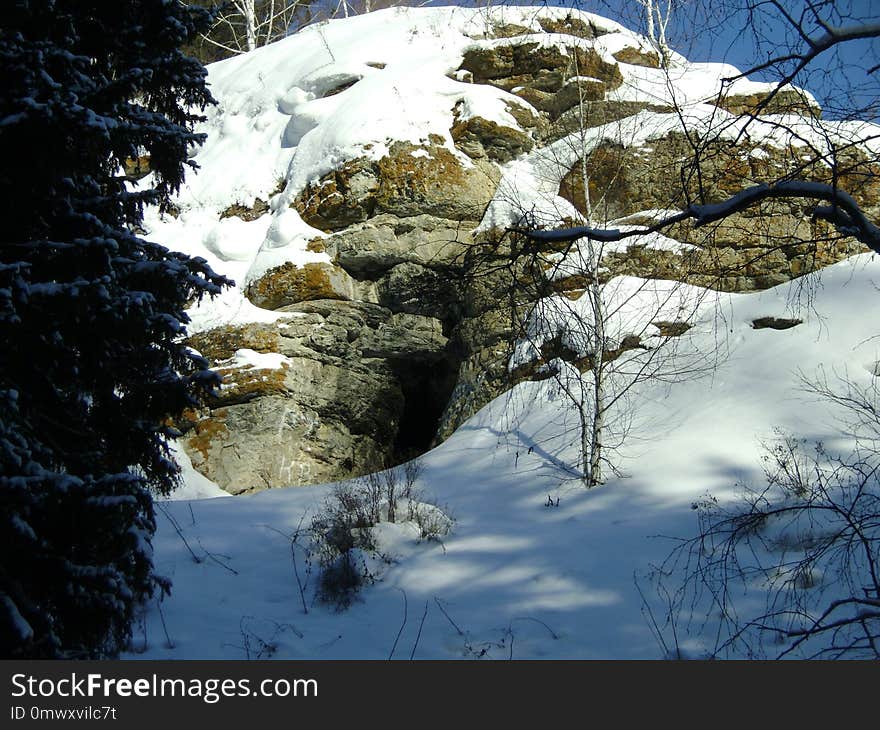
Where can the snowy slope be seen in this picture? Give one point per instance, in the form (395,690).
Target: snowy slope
(536,566)
(512,567)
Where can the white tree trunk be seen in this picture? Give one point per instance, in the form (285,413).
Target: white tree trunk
(596,433)
(248,14)
(649,17)
(592,408)
(657,17)
(594,472)
(270,22)
(250,19)
(663,22)
(586,438)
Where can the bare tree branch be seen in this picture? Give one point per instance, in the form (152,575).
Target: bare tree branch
(844,213)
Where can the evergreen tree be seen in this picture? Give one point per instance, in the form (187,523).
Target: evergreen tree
(91,316)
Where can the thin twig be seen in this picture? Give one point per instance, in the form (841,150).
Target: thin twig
(448,617)
(293,540)
(176,526)
(537,621)
(299,583)
(419,635)
(169,643)
(648,613)
(216,559)
(400,631)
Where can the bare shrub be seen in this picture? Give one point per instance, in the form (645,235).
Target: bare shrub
(807,545)
(341,534)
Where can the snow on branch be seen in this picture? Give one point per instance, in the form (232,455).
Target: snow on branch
(841,211)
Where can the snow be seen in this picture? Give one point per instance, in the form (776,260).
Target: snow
(535,565)
(193,485)
(246,358)
(276,122)
(513,567)
(630,305)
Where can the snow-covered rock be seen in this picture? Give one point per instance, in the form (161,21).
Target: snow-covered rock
(377,160)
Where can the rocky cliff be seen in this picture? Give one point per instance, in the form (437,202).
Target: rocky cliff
(357,183)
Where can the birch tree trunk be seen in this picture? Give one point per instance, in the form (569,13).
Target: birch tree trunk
(249,16)
(591,428)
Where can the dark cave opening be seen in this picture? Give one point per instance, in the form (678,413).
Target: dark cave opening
(427,386)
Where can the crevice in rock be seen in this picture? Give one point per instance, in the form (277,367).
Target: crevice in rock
(427,386)
(342,85)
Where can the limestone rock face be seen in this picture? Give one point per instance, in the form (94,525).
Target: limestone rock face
(289,284)
(409,181)
(551,79)
(368,250)
(334,406)
(478,137)
(361,384)
(405,330)
(259,208)
(761,247)
(595,114)
(785,101)
(638,57)
(418,289)
(571,25)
